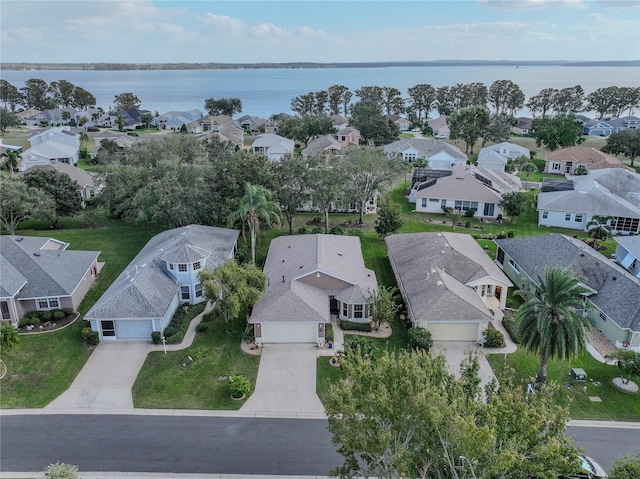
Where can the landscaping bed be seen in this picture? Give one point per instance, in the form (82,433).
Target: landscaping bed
(43,326)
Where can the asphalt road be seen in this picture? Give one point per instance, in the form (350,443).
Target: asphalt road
(210,445)
(202,445)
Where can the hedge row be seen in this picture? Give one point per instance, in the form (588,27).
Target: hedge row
(355,326)
(175,331)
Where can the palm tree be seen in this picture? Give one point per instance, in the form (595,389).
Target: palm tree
(256,206)
(527,169)
(83,137)
(120,121)
(12,160)
(599,226)
(9,337)
(550,324)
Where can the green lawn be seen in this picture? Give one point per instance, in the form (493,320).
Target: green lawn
(46,364)
(615,406)
(165,383)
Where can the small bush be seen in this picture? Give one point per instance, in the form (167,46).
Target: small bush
(317,230)
(202,328)
(83,152)
(67,311)
(493,338)
(302,230)
(511,326)
(208,317)
(61,471)
(156,337)
(86,332)
(328,332)
(29,321)
(93,129)
(510,234)
(45,316)
(176,338)
(58,315)
(169,331)
(467,224)
(355,326)
(470,213)
(94,338)
(239,386)
(336,230)
(420,338)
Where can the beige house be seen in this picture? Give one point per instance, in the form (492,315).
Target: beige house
(448,283)
(309,278)
(567,160)
(39,274)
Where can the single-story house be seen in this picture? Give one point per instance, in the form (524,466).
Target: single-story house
(54,117)
(469,187)
(402,123)
(440,127)
(625,123)
(439,154)
(332,144)
(58,144)
(251,123)
(572,202)
(613,291)
(309,278)
(449,284)
(214,123)
(163,275)
(523,126)
(131,117)
(567,160)
(88,183)
(40,274)
(273,146)
(628,253)
(339,121)
(495,157)
(121,139)
(174,120)
(231,133)
(595,127)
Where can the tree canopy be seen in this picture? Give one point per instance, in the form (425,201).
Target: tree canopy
(19,202)
(374,128)
(125,101)
(59,186)
(513,203)
(624,142)
(223,106)
(561,131)
(469,124)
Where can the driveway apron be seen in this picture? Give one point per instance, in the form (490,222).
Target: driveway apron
(286,384)
(106,380)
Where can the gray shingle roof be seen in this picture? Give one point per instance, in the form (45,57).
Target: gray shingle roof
(303,270)
(49,272)
(630,243)
(618,292)
(144,289)
(426,147)
(433,270)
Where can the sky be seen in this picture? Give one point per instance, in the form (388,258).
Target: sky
(238,31)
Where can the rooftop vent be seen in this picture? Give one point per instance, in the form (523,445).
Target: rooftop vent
(37,253)
(19,238)
(439,283)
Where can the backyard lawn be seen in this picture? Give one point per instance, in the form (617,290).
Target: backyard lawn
(46,364)
(172,381)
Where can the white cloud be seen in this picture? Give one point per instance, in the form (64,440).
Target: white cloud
(533,4)
(222,22)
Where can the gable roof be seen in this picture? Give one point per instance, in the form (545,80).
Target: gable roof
(630,243)
(438,123)
(437,282)
(586,155)
(607,192)
(144,289)
(322,144)
(295,262)
(31,269)
(426,147)
(81,177)
(505,149)
(617,291)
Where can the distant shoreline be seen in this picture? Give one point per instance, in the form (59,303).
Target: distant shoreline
(7,66)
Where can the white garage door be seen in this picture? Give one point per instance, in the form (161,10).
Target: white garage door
(453,331)
(289,332)
(134,329)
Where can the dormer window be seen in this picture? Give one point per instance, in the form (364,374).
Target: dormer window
(196,266)
(182,268)
(171,266)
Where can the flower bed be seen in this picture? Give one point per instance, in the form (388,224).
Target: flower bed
(39,325)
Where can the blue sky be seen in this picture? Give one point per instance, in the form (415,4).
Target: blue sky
(146,31)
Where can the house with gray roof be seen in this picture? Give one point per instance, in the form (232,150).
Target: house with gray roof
(628,253)
(613,291)
(58,144)
(309,278)
(495,157)
(573,202)
(468,187)
(523,126)
(448,283)
(440,127)
(40,274)
(567,160)
(273,146)
(439,154)
(163,275)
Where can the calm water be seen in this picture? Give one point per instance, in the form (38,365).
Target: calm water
(269,91)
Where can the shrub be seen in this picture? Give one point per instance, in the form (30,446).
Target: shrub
(511,326)
(83,152)
(156,337)
(510,234)
(29,321)
(328,332)
(58,315)
(336,230)
(169,331)
(467,224)
(86,332)
(61,471)
(202,328)
(302,230)
(67,311)
(361,346)
(355,326)
(317,230)
(239,385)
(470,213)
(93,129)
(176,338)
(94,338)
(208,317)
(420,338)
(493,338)
(45,316)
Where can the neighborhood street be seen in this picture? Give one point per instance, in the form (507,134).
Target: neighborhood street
(201,444)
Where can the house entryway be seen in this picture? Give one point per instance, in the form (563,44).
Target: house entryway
(286,384)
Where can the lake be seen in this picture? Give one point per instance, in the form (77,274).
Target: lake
(267,91)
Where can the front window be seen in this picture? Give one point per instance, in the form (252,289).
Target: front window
(567,217)
(196,266)
(578,219)
(514,266)
(182,268)
(500,255)
(47,303)
(4,310)
(358,311)
(556,167)
(424,202)
(345,310)
(184,292)
(545,214)
(198,290)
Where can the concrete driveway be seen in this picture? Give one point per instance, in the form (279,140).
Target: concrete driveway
(106,379)
(286,384)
